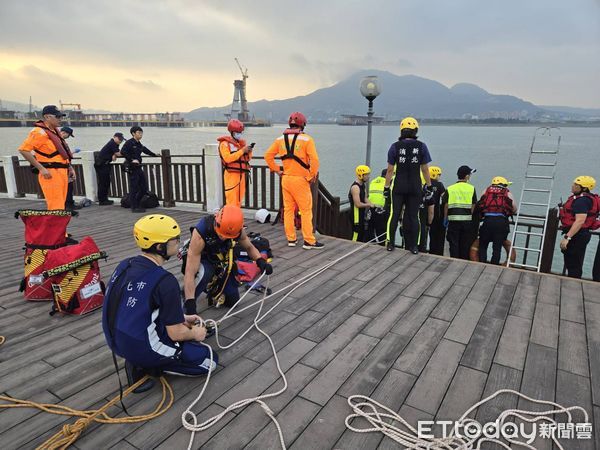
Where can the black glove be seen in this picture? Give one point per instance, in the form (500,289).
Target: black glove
(386,192)
(264,266)
(189,306)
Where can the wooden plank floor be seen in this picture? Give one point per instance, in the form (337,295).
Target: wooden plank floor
(427,336)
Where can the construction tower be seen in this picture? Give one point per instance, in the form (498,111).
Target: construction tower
(239,107)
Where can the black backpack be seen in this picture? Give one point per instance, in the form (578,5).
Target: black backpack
(125,203)
(149,200)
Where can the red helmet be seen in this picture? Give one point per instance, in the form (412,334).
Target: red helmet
(298,119)
(235,126)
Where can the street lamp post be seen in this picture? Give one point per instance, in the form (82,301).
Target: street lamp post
(370,88)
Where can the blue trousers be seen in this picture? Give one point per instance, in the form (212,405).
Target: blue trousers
(194,359)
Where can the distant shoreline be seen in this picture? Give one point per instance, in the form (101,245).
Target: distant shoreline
(490,123)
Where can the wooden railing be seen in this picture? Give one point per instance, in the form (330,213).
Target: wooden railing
(170,180)
(27,182)
(3,185)
(263,189)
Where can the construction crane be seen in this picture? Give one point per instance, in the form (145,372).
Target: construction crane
(77,105)
(239,107)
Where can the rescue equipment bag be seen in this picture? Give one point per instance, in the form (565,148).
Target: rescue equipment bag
(44,231)
(567,217)
(74,275)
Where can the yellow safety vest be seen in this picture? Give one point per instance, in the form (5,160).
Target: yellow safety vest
(460,201)
(376,192)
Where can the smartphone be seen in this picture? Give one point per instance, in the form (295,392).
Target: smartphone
(252,144)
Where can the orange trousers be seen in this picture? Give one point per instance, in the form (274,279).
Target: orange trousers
(296,192)
(55,188)
(235,187)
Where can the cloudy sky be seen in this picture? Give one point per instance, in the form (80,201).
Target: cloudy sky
(176,55)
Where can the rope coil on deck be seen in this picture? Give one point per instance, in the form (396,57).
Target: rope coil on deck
(188,418)
(71,432)
(382,420)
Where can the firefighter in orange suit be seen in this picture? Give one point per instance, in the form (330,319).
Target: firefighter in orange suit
(235,159)
(300,167)
(52,160)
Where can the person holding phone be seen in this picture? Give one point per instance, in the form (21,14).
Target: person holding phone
(235,160)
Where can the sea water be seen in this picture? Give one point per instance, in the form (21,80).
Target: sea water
(492,150)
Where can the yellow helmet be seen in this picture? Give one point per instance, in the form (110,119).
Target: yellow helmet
(501,180)
(155,229)
(410,123)
(434,172)
(362,170)
(585,181)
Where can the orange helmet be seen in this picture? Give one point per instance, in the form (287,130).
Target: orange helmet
(298,119)
(229,221)
(235,126)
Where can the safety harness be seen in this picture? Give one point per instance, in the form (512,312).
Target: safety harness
(290,148)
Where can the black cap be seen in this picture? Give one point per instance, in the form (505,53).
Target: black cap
(463,171)
(52,109)
(68,130)
(120,136)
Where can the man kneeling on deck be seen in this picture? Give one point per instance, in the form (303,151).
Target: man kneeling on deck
(210,258)
(143,317)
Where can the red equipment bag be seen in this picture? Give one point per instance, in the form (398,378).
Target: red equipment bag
(74,274)
(44,230)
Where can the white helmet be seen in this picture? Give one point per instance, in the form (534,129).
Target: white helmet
(262,216)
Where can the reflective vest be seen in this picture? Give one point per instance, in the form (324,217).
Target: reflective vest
(242,165)
(128,318)
(358,214)
(495,200)
(567,216)
(460,201)
(376,192)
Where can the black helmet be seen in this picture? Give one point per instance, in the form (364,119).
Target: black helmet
(135,128)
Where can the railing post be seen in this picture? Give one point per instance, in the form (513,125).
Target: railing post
(90,183)
(19,182)
(8,162)
(214,177)
(549,241)
(314,188)
(165,162)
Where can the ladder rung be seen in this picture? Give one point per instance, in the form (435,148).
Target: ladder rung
(535,204)
(529,249)
(536,190)
(529,266)
(543,219)
(539,177)
(545,152)
(542,164)
(531,233)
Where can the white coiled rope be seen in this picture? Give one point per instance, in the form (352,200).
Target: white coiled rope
(188,417)
(383,420)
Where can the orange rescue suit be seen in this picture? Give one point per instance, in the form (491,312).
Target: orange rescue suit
(300,167)
(236,167)
(56,160)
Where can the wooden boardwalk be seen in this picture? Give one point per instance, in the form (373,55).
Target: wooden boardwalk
(425,335)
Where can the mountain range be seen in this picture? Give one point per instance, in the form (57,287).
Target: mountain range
(401,96)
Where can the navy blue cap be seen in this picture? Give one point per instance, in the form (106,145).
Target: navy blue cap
(120,136)
(52,109)
(68,130)
(463,171)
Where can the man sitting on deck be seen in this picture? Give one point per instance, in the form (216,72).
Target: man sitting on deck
(143,318)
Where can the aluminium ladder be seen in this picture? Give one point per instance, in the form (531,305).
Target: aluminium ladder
(534,204)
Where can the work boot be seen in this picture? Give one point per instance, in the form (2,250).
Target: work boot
(138,210)
(414,251)
(390,247)
(134,374)
(315,246)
